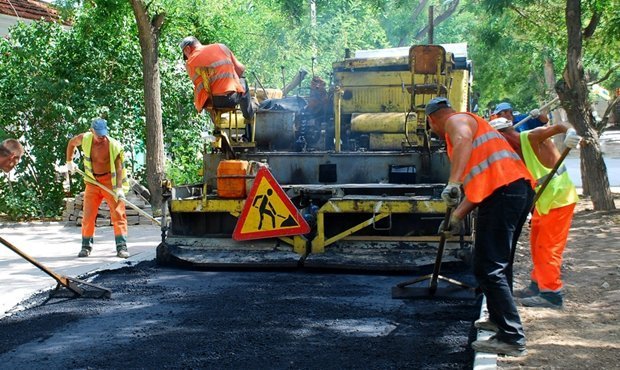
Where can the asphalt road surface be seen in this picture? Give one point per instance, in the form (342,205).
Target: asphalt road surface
(164,318)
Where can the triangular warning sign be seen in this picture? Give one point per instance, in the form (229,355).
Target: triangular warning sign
(268,212)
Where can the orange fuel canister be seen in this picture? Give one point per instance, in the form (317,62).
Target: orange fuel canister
(231,176)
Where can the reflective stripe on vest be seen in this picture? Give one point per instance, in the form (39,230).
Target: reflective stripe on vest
(492,163)
(560,192)
(542,180)
(482,166)
(213,73)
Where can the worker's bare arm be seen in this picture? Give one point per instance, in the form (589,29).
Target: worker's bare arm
(460,128)
(540,134)
(118,164)
(73,143)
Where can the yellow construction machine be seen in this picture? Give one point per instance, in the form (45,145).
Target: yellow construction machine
(355,158)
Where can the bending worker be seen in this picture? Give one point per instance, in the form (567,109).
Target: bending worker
(11,152)
(553,212)
(217,76)
(504,110)
(495,180)
(103,162)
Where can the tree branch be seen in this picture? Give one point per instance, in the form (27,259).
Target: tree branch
(605,119)
(440,18)
(611,70)
(157,21)
(594,21)
(522,15)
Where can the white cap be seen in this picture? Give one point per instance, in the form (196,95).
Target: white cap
(500,123)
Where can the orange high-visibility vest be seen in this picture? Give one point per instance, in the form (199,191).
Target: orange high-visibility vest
(213,64)
(492,164)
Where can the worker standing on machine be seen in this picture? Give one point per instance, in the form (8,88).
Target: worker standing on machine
(217,76)
(11,152)
(103,162)
(553,212)
(496,181)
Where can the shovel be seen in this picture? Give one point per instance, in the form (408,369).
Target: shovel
(545,106)
(71,285)
(549,177)
(138,209)
(453,289)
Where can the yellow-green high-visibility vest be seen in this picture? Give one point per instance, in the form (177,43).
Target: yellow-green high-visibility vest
(116,149)
(560,192)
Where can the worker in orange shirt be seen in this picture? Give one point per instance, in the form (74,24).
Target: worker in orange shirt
(11,152)
(493,179)
(217,76)
(553,212)
(103,162)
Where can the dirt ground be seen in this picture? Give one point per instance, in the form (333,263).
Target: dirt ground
(586,333)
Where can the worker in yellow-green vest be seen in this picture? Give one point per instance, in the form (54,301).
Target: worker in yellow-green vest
(103,163)
(553,212)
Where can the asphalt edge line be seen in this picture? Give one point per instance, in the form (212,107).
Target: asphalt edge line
(88,276)
(483,360)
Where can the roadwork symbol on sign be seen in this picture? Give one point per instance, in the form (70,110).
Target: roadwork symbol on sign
(268,212)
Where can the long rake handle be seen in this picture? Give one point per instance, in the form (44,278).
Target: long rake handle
(62,280)
(543,107)
(550,176)
(140,211)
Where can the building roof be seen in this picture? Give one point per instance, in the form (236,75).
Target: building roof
(29,9)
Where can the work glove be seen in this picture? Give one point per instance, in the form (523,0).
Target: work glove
(71,167)
(454,226)
(451,194)
(572,139)
(535,113)
(120,194)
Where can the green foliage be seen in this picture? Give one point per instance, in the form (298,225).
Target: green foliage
(53,81)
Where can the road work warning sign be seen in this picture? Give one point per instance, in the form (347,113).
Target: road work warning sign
(268,212)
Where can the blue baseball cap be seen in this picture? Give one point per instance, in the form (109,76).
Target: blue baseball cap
(100,126)
(502,107)
(436,104)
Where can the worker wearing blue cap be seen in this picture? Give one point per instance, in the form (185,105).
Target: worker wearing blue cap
(504,110)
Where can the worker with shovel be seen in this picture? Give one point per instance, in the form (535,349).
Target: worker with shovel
(103,164)
(495,180)
(553,211)
(534,119)
(11,152)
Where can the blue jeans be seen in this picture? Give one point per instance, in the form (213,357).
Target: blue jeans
(500,219)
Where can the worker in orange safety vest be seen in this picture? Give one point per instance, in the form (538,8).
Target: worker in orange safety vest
(553,212)
(217,76)
(103,162)
(494,180)
(11,152)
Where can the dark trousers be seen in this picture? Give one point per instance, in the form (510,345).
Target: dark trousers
(231,100)
(500,219)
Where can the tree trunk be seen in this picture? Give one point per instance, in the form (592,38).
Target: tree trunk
(148,34)
(573,93)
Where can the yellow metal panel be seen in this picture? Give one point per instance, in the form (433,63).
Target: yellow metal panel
(232,120)
(379,122)
(383,206)
(375,79)
(371,62)
(460,90)
(386,141)
(232,206)
(374,100)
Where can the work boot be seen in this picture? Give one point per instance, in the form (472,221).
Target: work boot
(530,291)
(121,251)
(544,299)
(485,323)
(494,345)
(84,252)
